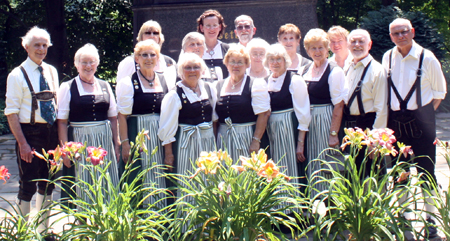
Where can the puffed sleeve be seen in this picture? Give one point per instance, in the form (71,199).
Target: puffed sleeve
(125,96)
(300,101)
(64,98)
(168,120)
(338,86)
(126,68)
(260,96)
(112,111)
(14,92)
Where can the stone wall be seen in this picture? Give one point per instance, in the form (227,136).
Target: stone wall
(178,17)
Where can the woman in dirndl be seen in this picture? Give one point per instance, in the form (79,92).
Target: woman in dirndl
(165,65)
(327,91)
(289,121)
(194,42)
(243,107)
(139,100)
(186,122)
(257,49)
(87,106)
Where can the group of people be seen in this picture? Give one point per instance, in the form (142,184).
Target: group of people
(239,97)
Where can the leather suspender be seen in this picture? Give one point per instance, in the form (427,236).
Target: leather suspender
(416,86)
(357,92)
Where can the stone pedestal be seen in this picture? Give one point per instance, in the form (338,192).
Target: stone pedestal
(178,17)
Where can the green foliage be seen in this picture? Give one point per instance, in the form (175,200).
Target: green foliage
(4,127)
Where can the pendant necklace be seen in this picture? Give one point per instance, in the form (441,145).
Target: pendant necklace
(150,82)
(91,84)
(233,86)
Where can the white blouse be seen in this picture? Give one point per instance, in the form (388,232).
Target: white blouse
(299,63)
(217,52)
(300,97)
(64,98)
(260,94)
(171,106)
(336,81)
(125,94)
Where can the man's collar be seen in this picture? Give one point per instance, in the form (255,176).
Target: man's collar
(413,52)
(32,64)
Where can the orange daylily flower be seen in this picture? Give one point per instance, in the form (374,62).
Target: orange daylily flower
(96,155)
(4,174)
(269,170)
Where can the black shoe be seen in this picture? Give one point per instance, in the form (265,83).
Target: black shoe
(431,229)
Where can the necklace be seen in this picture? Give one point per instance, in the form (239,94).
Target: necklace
(91,84)
(318,70)
(233,86)
(150,81)
(211,52)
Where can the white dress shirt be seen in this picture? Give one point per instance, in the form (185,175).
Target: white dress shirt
(348,61)
(260,94)
(125,94)
(300,97)
(336,81)
(373,89)
(64,97)
(171,106)
(18,95)
(404,73)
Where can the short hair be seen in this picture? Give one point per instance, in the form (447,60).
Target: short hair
(338,31)
(277,50)
(400,21)
(87,49)
(211,13)
(192,36)
(35,32)
(289,28)
(361,31)
(236,50)
(243,17)
(314,35)
(148,43)
(257,43)
(189,57)
(146,26)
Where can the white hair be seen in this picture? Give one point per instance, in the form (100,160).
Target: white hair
(189,57)
(257,43)
(192,36)
(400,21)
(277,50)
(87,49)
(243,17)
(359,31)
(36,32)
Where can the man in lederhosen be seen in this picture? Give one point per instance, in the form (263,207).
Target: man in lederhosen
(31,112)
(416,88)
(366,101)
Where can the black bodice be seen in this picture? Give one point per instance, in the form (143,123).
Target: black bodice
(319,91)
(282,99)
(197,112)
(147,103)
(88,107)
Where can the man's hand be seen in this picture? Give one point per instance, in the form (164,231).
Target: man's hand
(26,153)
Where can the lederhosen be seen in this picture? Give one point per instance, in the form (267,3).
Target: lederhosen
(212,63)
(39,136)
(416,128)
(363,120)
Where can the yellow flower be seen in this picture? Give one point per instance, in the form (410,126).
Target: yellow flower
(208,162)
(255,161)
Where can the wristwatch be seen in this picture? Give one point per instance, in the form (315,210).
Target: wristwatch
(333,133)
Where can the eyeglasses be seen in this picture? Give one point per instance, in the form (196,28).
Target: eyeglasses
(255,55)
(212,26)
(276,60)
(241,27)
(193,45)
(192,68)
(154,33)
(88,63)
(401,33)
(236,63)
(145,55)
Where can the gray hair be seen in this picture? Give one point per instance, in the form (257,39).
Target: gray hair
(277,50)
(87,49)
(257,43)
(189,57)
(192,36)
(400,21)
(243,17)
(360,31)
(36,32)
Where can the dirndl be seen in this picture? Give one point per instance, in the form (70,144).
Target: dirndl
(317,141)
(153,177)
(95,133)
(235,138)
(282,132)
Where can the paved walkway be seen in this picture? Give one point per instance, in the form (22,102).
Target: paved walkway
(8,158)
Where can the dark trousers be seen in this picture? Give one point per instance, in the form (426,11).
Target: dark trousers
(417,129)
(38,136)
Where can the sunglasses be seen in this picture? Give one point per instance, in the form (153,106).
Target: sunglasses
(147,55)
(241,27)
(154,33)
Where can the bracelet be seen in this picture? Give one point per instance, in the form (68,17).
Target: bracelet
(256,139)
(122,141)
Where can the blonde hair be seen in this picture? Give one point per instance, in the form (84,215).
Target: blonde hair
(147,44)
(146,26)
(338,31)
(87,49)
(289,28)
(277,50)
(237,50)
(316,35)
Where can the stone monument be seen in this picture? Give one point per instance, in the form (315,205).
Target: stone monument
(178,17)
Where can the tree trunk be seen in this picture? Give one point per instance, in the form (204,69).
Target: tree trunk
(58,54)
